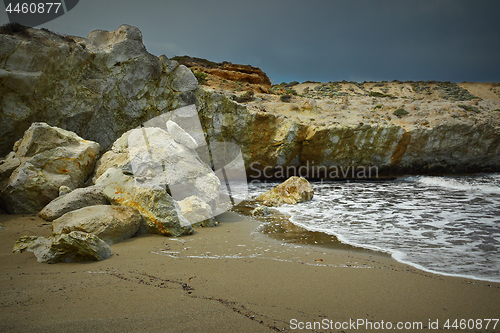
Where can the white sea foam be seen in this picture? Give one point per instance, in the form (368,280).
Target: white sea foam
(446,225)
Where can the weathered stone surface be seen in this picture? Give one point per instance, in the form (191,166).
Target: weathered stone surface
(28,243)
(72,247)
(112,224)
(47,158)
(160,212)
(180,136)
(228,71)
(153,157)
(79,198)
(183,79)
(292,191)
(198,213)
(98,87)
(63,190)
(277,145)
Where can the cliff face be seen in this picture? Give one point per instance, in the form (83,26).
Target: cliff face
(227,75)
(283,139)
(98,87)
(106,84)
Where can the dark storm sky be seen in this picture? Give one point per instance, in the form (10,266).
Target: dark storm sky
(320,40)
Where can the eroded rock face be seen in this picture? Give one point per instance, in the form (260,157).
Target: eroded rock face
(112,224)
(275,145)
(79,198)
(293,190)
(45,159)
(154,158)
(98,87)
(161,214)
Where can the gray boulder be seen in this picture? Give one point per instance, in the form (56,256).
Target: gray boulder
(112,224)
(79,198)
(45,159)
(72,247)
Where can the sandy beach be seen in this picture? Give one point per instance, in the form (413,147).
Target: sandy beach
(228,279)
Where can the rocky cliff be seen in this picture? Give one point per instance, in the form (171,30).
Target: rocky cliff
(105,84)
(355,136)
(98,87)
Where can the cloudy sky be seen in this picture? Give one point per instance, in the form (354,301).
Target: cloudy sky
(318,40)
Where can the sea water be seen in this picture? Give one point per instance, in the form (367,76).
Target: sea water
(445,225)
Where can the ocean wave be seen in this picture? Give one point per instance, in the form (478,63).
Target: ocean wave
(444,225)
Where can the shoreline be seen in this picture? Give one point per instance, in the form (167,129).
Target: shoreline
(223,279)
(279,228)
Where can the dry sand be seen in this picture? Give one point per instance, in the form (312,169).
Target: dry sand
(223,279)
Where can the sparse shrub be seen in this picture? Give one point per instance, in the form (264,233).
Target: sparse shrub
(378,106)
(246,97)
(469,108)
(286,98)
(201,77)
(379,94)
(400,112)
(291,92)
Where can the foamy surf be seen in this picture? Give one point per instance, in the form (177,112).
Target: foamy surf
(443,225)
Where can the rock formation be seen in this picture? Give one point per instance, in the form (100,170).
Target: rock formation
(161,214)
(293,190)
(154,157)
(43,160)
(279,141)
(104,85)
(254,76)
(98,87)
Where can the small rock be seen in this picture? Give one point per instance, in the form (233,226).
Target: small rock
(292,191)
(263,211)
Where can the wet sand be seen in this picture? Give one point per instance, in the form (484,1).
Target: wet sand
(225,279)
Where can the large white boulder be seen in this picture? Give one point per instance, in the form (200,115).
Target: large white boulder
(154,158)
